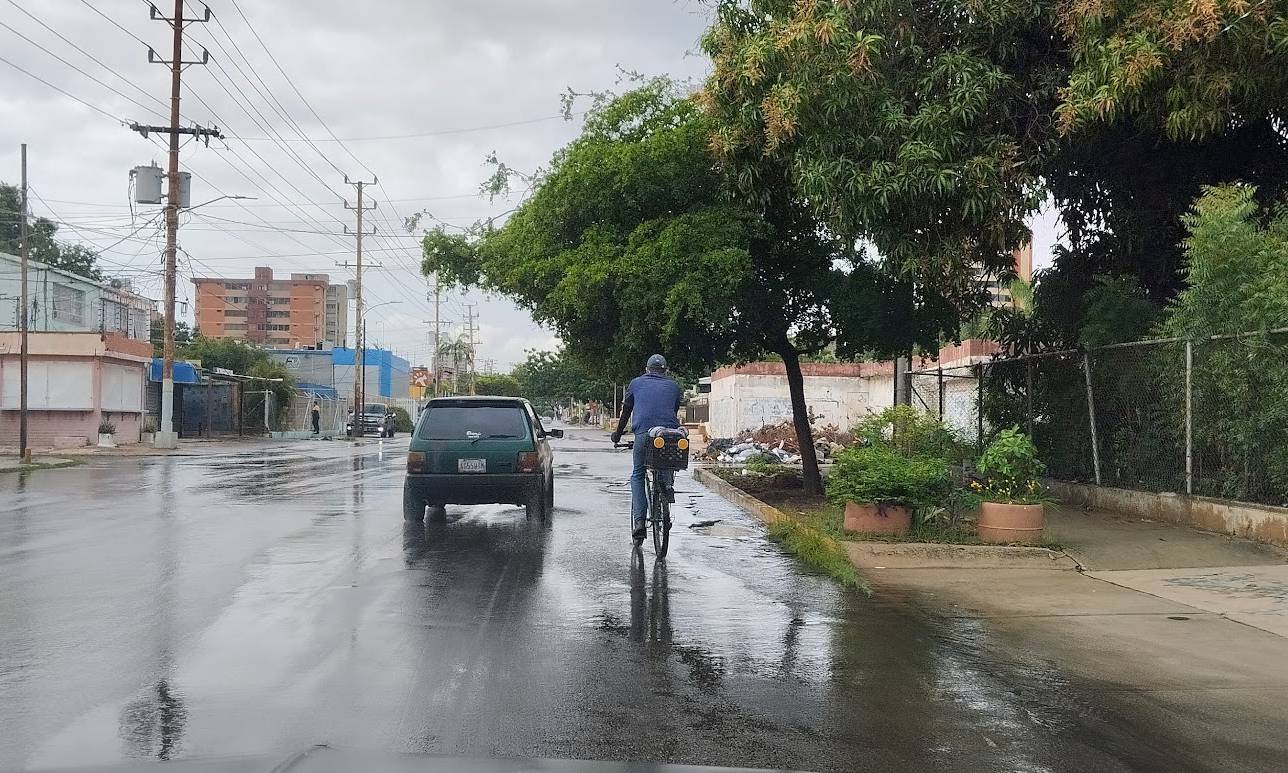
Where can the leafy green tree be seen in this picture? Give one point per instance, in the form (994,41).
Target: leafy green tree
(498,384)
(548,379)
(41,232)
(183,336)
(630,245)
(1117,310)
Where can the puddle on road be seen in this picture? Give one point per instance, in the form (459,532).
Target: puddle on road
(724,530)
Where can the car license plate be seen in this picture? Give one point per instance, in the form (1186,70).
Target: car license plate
(471,465)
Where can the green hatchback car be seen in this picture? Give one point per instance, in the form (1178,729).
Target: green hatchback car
(479,450)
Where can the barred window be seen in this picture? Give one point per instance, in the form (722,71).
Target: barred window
(68,304)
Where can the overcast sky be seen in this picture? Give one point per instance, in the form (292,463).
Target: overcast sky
(474,76)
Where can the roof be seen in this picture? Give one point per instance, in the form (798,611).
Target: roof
(184,372)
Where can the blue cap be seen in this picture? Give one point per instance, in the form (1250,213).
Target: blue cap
(656,363)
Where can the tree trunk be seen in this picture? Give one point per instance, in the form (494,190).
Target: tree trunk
(800,420)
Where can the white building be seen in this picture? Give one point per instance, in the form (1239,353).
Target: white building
(63,302)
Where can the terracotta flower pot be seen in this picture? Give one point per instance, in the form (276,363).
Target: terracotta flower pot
(877,518)
(1005,523)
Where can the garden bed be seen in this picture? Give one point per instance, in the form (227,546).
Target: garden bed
(783,489)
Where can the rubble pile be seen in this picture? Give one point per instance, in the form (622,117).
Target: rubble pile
(777,444)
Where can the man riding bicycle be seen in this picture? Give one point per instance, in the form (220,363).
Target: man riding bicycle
(652,400)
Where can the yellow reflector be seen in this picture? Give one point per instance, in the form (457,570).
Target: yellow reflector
(658,442)
(683,443)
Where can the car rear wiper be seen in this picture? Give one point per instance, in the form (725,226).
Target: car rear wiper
(490,437)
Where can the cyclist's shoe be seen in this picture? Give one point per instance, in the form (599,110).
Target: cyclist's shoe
(670,496)
(639,533)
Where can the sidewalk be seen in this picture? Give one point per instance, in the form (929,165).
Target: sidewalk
(1188,627)
(196,447)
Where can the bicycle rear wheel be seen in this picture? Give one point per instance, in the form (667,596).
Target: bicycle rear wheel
(659,515)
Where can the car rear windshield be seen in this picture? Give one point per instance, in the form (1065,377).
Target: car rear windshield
(470,422)
(373,408)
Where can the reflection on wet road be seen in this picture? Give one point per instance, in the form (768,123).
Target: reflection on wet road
(265,601)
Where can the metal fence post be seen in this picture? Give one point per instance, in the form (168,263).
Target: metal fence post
(979,407)
(1189,417)
(1028,394)
(941,392)
(1091,414)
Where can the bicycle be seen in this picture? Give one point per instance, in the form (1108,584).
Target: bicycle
(668,451)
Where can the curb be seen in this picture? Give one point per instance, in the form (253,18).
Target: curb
(904,555)
(55,464)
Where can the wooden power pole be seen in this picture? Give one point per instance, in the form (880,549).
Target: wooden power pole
(166,437)
(360,332)
(24,451)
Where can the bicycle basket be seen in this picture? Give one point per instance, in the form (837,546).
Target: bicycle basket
(666,449)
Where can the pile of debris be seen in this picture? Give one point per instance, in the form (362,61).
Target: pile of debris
(777,444)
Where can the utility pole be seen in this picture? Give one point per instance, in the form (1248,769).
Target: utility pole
(166,437)
(470,329)
(359,383)
(438,299)
(24,453)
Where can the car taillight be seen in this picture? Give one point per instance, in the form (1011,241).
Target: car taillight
(415,461)
(529,461)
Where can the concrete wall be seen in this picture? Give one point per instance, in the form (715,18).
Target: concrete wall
(755,395)
(1263,523)
(65,302)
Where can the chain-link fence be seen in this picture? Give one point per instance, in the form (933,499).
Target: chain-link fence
(1207,417)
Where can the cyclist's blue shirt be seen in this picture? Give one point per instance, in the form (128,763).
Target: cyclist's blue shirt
(656,400)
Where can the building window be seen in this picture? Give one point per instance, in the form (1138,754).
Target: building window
(281,301)
(235,298)
(279,314)
(234,312)
(69,304)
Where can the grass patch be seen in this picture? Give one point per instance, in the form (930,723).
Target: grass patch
(830,520)
(818,551)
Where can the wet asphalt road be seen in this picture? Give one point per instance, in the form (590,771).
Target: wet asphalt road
(261,602)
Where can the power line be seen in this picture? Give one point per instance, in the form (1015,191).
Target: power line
(82,72)
(418,135)
(67,94)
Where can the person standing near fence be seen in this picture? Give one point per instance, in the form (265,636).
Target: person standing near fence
(316,413)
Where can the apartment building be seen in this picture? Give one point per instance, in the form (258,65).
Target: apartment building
(999,292)
(281,313)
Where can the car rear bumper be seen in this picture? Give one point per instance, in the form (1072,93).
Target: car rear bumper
(475,489)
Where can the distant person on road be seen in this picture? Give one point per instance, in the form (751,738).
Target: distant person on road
(316,413)
(652,400)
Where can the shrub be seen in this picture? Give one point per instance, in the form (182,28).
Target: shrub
(402,420)
(107,428)
(880,474)
(1011,469)
(911,432)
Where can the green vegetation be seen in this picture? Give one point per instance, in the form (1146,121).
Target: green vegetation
(911,432)
(552,378)
(498,384)
(818,551)
(1011,468)
(42,237)
(402,420)
(631,243)
(881,475)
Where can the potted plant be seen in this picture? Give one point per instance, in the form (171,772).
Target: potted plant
(1013,498)
(106,430)
(879,488)
(148,430)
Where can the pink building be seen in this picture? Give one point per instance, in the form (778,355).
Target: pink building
(74,382)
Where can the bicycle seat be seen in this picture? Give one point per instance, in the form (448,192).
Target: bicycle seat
(668,432)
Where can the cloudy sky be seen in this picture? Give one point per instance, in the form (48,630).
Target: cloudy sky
(419,91)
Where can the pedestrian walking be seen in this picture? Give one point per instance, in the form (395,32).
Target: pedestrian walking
(316,413)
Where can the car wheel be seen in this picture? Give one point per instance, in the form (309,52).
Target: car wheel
(413,505)
(550,495)
(536,504)
(437,513)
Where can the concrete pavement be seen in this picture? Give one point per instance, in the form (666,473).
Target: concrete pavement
(266,599)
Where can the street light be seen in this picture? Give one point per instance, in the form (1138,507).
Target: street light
(221,198)
(360,383)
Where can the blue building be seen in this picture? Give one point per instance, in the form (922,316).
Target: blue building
(387,375)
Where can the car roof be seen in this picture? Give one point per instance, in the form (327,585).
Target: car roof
(481,400)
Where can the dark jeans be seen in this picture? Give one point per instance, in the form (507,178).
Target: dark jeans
(316,421)
(639,498)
